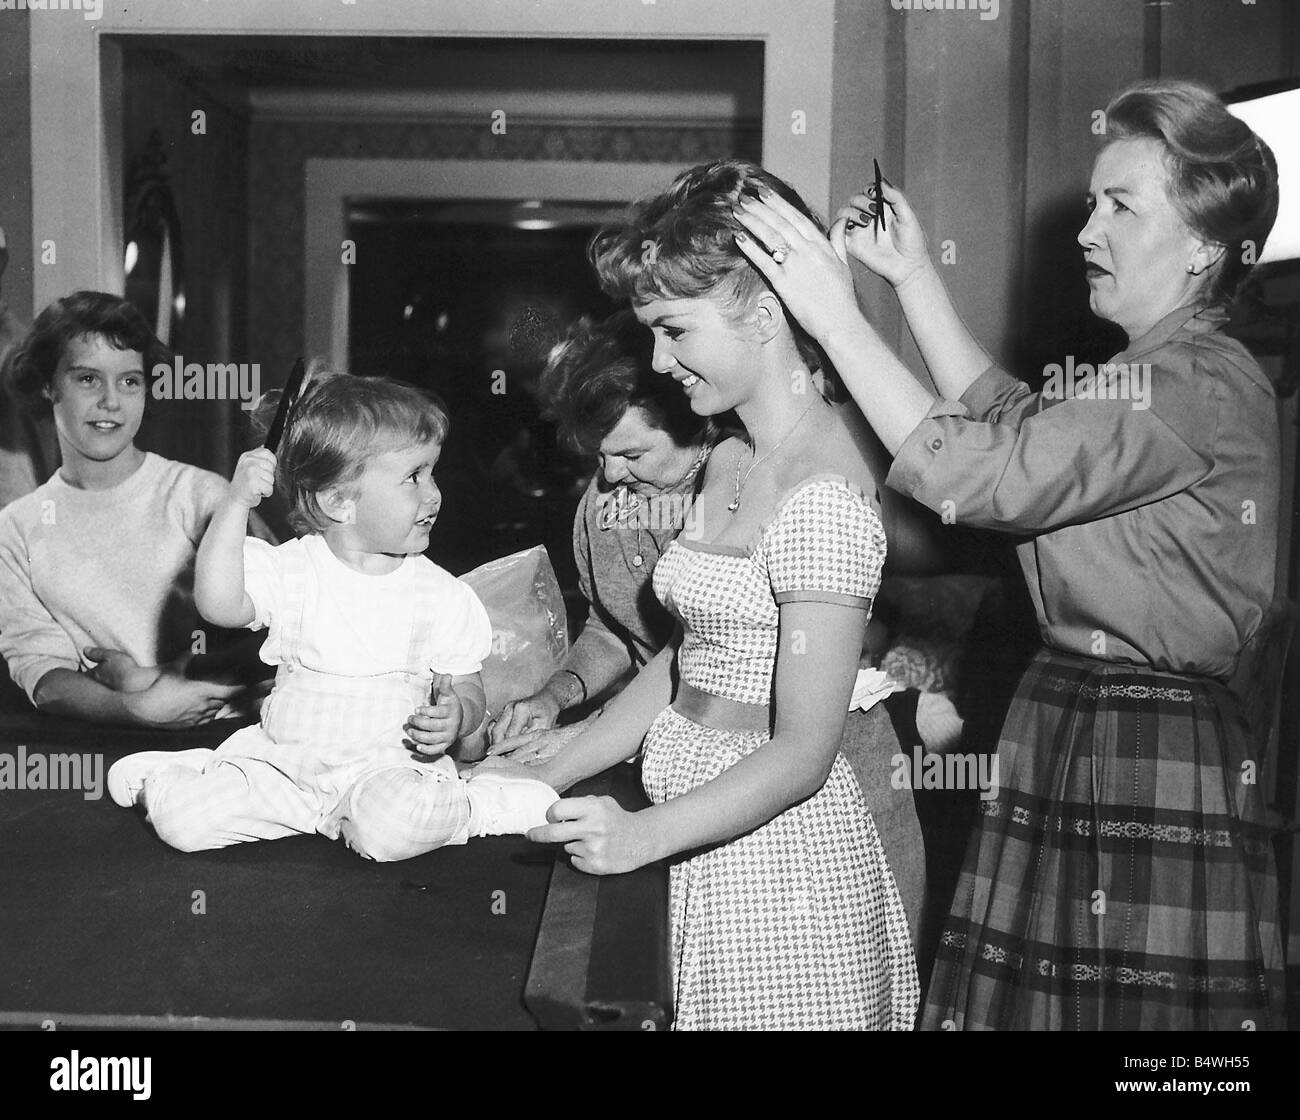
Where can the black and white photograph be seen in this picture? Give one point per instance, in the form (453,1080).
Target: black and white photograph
(649,515)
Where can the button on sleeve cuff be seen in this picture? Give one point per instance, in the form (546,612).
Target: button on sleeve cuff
(925,442)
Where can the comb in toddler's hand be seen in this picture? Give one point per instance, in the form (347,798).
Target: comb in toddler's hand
(440,689)
(292,391)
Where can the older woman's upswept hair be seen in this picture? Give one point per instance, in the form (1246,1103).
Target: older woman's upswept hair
(30,368)
(598,371)
(338,424)
(681,244)
(1222,177)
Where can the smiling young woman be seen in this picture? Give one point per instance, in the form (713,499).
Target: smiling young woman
(784,911)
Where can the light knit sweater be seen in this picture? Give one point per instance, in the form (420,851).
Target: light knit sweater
(110,568)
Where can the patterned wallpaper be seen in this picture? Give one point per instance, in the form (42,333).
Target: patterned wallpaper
(279,150)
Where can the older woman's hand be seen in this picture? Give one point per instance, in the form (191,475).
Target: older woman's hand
(896,253)
(533,713)
(537,746)
(813,277)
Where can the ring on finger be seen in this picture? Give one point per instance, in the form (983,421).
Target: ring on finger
(779,252)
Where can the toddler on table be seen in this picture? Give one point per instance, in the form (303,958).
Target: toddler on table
(371,639)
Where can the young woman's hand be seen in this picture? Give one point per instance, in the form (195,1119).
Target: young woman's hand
(119,671)
(600,835)
(173,702)
(896,253)
(434,727)
(812,278)
(254,477)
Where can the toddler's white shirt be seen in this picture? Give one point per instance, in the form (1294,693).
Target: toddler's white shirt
(358,625)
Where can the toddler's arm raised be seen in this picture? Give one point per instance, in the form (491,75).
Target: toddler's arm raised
(219,571)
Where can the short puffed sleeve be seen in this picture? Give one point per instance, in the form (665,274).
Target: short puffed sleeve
(263,580)
(463,635)
(826,544)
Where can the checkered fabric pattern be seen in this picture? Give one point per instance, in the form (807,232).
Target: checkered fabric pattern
(825,543)
(797,924)
(1123,879)
(385,803)
(328,756)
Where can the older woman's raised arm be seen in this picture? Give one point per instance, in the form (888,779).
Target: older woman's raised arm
(1044,468)
(899,254)
(814,283)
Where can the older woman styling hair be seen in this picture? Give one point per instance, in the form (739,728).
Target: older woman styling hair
(1123,878)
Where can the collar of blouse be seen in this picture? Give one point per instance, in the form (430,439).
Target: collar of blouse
(662,510)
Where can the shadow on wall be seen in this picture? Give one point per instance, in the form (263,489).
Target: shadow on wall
(1057,320)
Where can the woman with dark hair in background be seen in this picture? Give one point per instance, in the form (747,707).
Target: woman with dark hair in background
(607,401)
(96,566)
(1123,878)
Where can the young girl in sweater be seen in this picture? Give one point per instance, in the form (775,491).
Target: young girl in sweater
(97,618)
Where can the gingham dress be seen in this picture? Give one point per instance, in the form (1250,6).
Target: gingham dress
(797,924)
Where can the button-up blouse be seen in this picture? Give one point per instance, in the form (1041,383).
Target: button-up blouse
(1146,490)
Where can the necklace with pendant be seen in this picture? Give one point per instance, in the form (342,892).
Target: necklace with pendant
(638,557)
(740,482)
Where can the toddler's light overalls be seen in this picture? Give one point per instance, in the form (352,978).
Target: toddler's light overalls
(328,756)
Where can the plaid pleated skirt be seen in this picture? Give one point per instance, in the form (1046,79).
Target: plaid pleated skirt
(1123,878)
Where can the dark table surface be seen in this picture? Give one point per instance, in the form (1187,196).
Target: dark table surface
(104,925)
